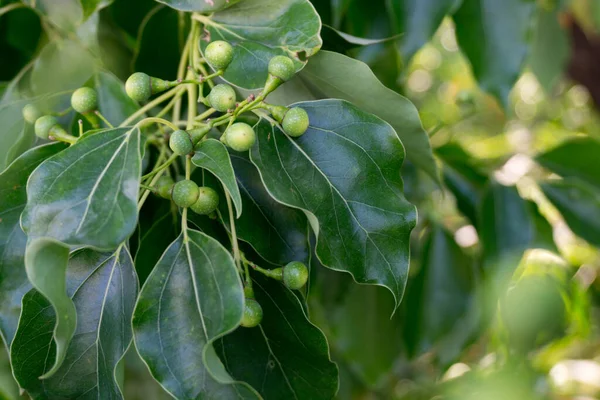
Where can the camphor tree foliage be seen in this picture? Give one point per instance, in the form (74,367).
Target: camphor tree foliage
(222,199)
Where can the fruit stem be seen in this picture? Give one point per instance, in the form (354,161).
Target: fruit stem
(150,120)
(58,133)
(205,114)
(234,241)
(80,123)
(63,112)
(103,119)
(162,167)
(271,273)
(150,105)
(170,105)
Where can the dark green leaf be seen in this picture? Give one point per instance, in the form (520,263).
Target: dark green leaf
(203,6)
(418,20)
(345,173)
(262,29)
(212,155)
(334,75)
(13,279)
(193,296)
(576,158)
(280,360)
(579,204)
(12,127)
(103,287)
(543,233)
(440,294)
(113,102)
(493,36)
(549,49)
(91,6)
(87,194)
(46,265)
(341,42)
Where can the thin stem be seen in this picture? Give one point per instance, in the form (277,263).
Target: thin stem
(10,7)
(63,112)
(181,72)
(234,241)
(188,167)
(192,105)
(205,114)
(150,188)
(80,123)
(147,192)
(162,167)
(184,228)
(103,119)
(170,105)
(150,120)
(150,105)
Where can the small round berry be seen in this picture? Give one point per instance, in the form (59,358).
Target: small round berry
(31,113)
(240,136)
(139,86)
(295,122)
(185,193)
(219,54)
(208,201)
(164,186)
(253,314)
(222,97)
(43,126)
(181,143)
(282,67)
(295,275)
(84,100)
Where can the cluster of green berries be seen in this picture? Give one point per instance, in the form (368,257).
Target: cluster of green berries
(187,194)
(294,276)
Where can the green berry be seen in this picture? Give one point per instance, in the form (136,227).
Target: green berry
(31,113)
(84,100)
(253,314)
(185,193)
(222,97)
(295,122)
(181,143)
(164,186)
(240,136)
(282,67)
(207,202)
(295,275)
(139,86)
(219,54)
(43,126)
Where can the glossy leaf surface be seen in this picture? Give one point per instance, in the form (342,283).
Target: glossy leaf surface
(193,296)
(87,194)
(575,158)
(13,279)
(199,5)
(103,287)
(338,174)
(113,102)
(280,360)
(262,29)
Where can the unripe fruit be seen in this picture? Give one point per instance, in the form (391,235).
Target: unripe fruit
(208,201)
(43,126)
(295,122)
(219,54)
(31,113)
(138,86)
(84,100)
(295,275)
(181,143)
(253,314)
(240,136)
(282,67)
(185,193)
(222,97)
(164,186)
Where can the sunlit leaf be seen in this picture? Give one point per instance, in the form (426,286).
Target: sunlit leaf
(575,158)
(199,5)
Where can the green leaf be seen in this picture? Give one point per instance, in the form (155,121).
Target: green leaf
(280,360)
(12,128)
(66,14)
(338,308)
(579,204)
(344,172)
(13,279)
(549,49)
(418,20)
(213,156)
(87,194)
(575,158)
(262,29)
(493,35)
(46,266)
(113,102)
(203,6)
(61,65)
(91,6)
(441,293)
(276,232)
(193,296)
(506,229)
(103,287)
(333,75)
